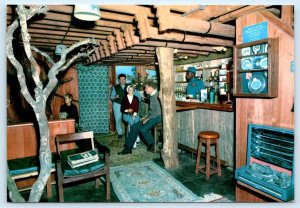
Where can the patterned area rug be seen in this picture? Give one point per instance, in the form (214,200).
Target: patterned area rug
(138,155)
(148,182)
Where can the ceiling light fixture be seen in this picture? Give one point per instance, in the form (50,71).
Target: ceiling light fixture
(87,12)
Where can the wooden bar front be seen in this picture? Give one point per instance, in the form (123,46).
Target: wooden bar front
(196,117)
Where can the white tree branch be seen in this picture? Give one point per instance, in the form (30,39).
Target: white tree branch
(50,60)
(21,10)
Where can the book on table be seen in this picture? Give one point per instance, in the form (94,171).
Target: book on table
(83,158)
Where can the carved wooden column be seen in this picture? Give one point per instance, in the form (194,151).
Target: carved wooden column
(167,85)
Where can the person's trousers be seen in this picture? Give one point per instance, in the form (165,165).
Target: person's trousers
(129,119)
(144,129)
(118,117)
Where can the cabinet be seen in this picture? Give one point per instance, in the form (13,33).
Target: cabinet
(256,69)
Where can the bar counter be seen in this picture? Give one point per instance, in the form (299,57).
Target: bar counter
(190,105)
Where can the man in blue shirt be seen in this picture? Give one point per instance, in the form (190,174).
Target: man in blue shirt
(194,85)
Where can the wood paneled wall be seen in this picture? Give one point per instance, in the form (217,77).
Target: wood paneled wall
(22,141)
(273,112)
(190,123)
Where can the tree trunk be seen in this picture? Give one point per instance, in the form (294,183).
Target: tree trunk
(167,85)
(44,153)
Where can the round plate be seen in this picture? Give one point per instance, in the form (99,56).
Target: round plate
(246,64)
(264,63)
(256,84)
(256,62)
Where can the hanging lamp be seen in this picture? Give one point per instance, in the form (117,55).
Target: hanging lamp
(87,12)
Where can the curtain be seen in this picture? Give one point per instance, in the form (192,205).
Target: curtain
(93,89)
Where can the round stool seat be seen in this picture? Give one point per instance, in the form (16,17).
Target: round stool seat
(209,135)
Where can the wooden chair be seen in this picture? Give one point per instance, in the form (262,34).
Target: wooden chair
(66,174)
(158,131)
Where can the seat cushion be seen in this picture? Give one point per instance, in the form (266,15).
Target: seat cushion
(26,165)
(68,171)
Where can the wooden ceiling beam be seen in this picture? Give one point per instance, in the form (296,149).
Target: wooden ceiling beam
(213,11)
(148,32)
(287,14)
(238,13)
(168,21)
(112,44)
(129,9)
(119,39)
(59,28)
(104,44)
(278,22)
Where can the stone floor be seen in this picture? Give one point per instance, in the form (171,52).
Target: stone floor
(222,185)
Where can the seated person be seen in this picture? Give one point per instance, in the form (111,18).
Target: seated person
(69,109)
(147,123)
(130,107)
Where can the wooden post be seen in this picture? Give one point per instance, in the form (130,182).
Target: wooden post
(167,85)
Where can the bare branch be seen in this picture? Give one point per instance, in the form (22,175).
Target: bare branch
(74,58)
(50,60)
(13,192)
(10,55)
(57,66)
(26,41)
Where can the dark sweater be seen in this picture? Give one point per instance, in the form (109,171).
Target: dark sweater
(70,110)
(126,105)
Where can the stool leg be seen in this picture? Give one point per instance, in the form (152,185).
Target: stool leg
(155,139)
(218,159)
(207,168)
(48,188)
(198,157)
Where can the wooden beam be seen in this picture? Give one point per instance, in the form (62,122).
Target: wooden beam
(104,44)
(278,22)
(129,9)
(240,12)
(168,21)
(119,39)
(287,14)
(128,34)
(214,11)
(112,44)
(148,32)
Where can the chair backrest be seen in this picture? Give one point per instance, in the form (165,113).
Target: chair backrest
(73,137)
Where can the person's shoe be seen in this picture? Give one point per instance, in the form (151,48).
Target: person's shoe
(125,152)
(150,148)
(120,136)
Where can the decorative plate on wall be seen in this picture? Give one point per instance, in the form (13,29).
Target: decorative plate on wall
(246,64)
(256,84)
(246,51)
(264,63)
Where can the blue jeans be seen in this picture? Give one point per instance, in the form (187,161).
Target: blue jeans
(129,119)
(144,129)
(118,117)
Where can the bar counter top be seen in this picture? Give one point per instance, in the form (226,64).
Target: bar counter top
(189,105)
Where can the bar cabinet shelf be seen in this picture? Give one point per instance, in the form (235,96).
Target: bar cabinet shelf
(256,69)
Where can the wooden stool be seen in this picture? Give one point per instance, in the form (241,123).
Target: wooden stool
(208,138)
(157,128)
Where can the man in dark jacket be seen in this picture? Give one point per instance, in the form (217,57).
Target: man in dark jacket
(147,123)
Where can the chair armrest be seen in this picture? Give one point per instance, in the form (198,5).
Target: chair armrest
(101,148)
(59,169)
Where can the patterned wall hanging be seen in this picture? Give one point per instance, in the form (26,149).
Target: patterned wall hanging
(93,89)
